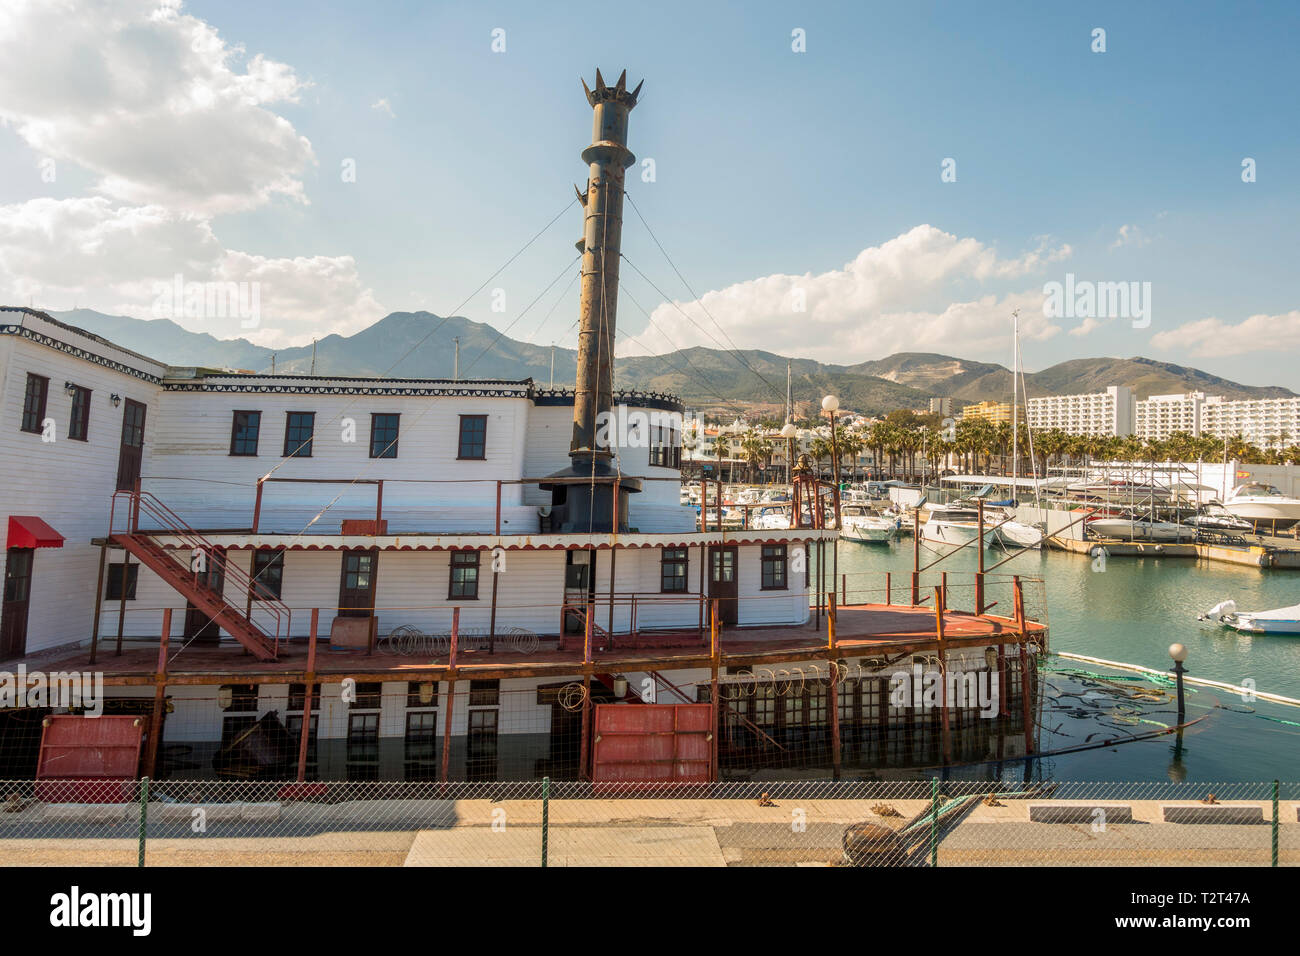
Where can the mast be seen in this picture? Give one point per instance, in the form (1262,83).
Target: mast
(1015,420)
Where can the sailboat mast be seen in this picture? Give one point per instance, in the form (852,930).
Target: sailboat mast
(1015,404)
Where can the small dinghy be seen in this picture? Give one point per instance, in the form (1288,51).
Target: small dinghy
(1283,620)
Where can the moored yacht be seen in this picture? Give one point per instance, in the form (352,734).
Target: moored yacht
(1263,505)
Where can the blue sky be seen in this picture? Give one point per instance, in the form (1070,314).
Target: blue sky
(775,171)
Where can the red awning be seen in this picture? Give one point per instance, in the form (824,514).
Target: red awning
(28,531)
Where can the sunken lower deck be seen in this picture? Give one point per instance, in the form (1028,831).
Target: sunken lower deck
(864,630)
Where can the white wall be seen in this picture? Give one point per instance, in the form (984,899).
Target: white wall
(69,484)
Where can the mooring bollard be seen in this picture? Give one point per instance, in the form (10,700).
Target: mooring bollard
(546,811)
(144,817)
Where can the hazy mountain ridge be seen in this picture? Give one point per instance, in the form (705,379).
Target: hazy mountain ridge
(703,377)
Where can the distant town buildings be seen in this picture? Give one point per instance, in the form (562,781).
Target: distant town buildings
(941,406)
(1267,423)
(1108,414)
(987,411)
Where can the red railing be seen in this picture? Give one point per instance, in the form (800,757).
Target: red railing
(171,524)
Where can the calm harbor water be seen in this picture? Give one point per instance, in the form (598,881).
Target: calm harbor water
(1131,610)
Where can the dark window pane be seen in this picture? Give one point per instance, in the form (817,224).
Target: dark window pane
(473,437)
(773,567)
(673,569)
(464,575)
(414,690)
(268,573)
(38,388)
(79,425)
(243,433)
(113,591)
(484,693)
(383,436)
(298,430)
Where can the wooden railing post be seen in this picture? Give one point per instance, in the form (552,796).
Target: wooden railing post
(159,694)
(310,678)
(943,674)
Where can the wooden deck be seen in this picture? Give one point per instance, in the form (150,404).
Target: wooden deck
(861,630)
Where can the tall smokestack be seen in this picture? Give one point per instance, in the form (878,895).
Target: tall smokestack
(602,203)
(590,496)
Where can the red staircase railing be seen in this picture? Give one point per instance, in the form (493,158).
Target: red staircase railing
(169,523)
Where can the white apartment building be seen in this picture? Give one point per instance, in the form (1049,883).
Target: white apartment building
(1160,416)
(1269,423)
(1108,413)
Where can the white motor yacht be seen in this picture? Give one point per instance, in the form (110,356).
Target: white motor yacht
(1263,505)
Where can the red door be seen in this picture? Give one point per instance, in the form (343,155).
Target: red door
(18,590)
(132,450)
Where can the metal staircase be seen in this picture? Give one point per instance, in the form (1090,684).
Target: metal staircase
(182,568)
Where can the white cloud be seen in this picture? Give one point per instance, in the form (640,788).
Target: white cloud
(152,102)
(94,254)
(1087,326)
(910,293)
(384,106)
(1213,337)
(1130,236)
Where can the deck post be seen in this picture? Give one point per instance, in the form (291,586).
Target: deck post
(939,608)
(1026,699)
(979,574)
(379,505)
(833,689)
(159,697)
(889,589)
(257,506)
(498,508)
(715,654)
(943,581)
(916,558)
(492,620)
(310,678)
(584,752)
(446,726)
(99,597)
(455,638)
(121,608)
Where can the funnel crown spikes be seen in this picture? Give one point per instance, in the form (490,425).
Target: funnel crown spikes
(618,93)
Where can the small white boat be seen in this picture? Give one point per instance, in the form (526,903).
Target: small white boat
(862,525)
(1263,505)
(1283,620)
(958,524)
(771,519)
(1133,528)
(1214,518)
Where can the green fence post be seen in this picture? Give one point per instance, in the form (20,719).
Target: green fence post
(934,821)
(546,811)
(1275,822)
(144,815)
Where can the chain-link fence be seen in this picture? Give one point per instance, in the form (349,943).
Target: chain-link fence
(553,823)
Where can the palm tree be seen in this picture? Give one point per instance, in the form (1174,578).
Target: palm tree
(755,449)
(819,448)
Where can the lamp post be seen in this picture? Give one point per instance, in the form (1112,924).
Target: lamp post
(1179,653)
(788,432)
(829,405)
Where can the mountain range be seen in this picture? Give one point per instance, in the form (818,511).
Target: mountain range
(420,345)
